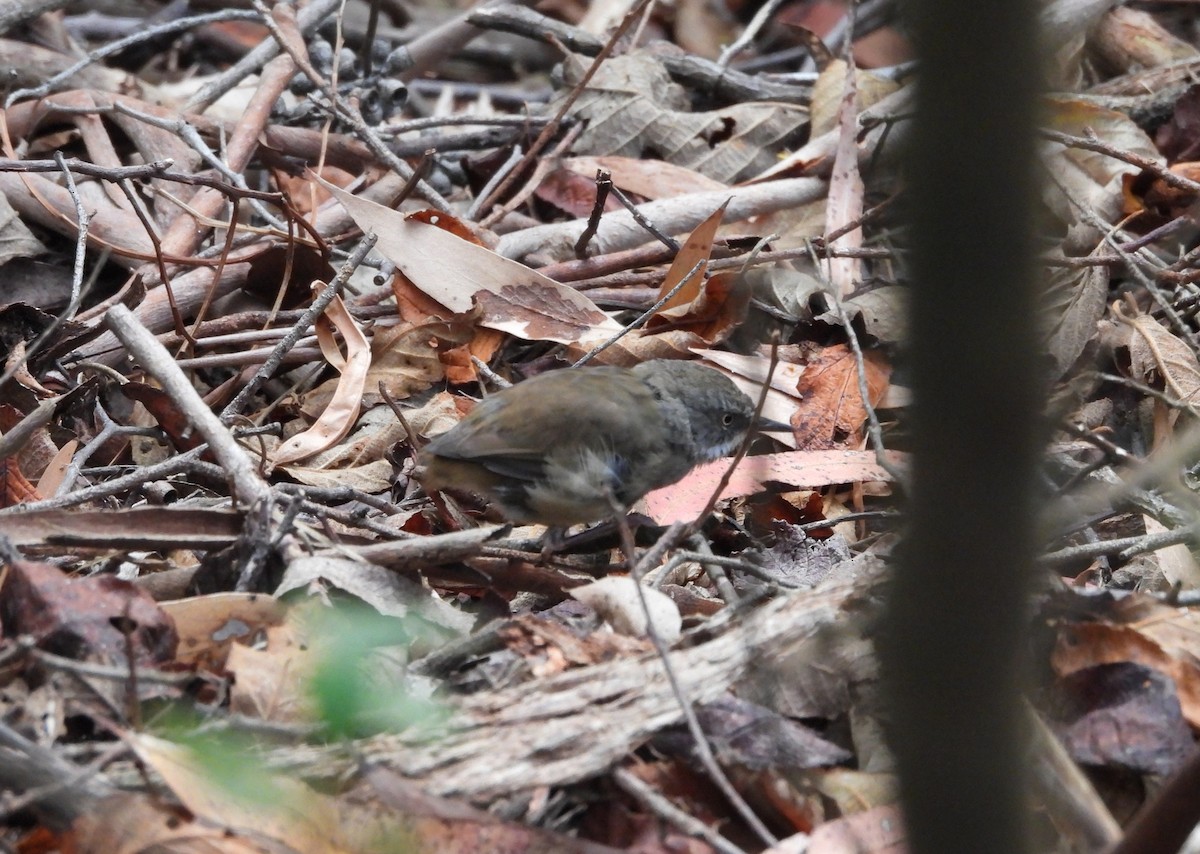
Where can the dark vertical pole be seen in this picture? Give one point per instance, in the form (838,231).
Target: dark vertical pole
(951,645)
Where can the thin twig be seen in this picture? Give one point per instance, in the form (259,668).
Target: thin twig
(663,808)
(248,486)
(703,750)
(641,319)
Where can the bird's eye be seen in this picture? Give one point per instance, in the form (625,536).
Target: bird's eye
(727,419)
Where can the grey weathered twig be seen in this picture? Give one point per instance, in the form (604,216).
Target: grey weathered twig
(248,486)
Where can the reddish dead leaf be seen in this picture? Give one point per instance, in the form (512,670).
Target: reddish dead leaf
(450,224)
(572,193)
(718,309)
(696,250)
(17,489)
(56,470)
(884,47)
(40,448)
(1150,192)
(415,306)
(306,195)
(236,37)
(83,618)
(832,414)
(1125,715)
(1140,632)
(460,369)
(165,412)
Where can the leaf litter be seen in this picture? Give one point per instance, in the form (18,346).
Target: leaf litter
(250,622)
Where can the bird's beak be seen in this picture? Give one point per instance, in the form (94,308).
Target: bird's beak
(768,425)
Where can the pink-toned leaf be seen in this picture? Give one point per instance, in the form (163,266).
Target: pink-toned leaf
(685,500)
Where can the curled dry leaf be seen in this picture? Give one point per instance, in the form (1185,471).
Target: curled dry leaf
(339,416)
(709,308)
(616,600)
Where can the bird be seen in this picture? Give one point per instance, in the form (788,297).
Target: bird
(575,446)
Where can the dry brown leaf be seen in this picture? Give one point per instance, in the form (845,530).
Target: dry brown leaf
(461,275)
(372,478)
(1167,646)
(694,253)
(17,488)
(270,681)
(130,823)
(709,308)
(651,179)
(52,476)
(832,413)
(1091,179)
(632,108)
(336,421)
(1072,305)
(845,202)
(291,813)
(1158,357)
(209,625)
(459,367)
(830,88)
